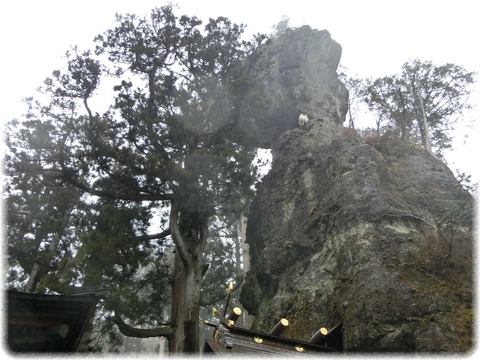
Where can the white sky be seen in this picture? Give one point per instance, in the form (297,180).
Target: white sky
(377,37)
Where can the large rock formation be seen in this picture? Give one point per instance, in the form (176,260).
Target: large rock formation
(375,233)
(290,75)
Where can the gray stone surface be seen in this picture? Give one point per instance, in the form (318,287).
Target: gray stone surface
(359,230)
(292,74)
(372,232)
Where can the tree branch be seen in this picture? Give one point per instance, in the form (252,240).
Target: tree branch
(131,331)
(68,175)
(160,235)
(177,237)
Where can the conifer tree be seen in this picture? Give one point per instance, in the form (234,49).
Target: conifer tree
(164,143)
(421,103)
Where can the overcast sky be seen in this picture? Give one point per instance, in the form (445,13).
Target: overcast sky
(377,37)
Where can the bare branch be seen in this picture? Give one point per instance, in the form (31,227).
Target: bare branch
(131,331)
(160,235)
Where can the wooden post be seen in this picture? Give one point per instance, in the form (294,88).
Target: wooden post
(229,293)
(233,316)
(279,327)
(319,337)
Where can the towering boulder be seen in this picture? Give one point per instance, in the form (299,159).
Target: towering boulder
(374,233)
(292,74)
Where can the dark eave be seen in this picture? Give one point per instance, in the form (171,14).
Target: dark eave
(48,323)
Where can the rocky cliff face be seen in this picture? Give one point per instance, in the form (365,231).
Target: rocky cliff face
(291,75)
(374,233)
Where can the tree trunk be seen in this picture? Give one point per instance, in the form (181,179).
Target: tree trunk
(426,138)
(350,116)
(38,269)
(33,279)
(422,122)
(187,281)
(242,234)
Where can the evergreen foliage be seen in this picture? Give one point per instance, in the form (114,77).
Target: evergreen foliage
(422,103)
(85,188)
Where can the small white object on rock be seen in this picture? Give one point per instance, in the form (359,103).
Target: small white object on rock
(302,119)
